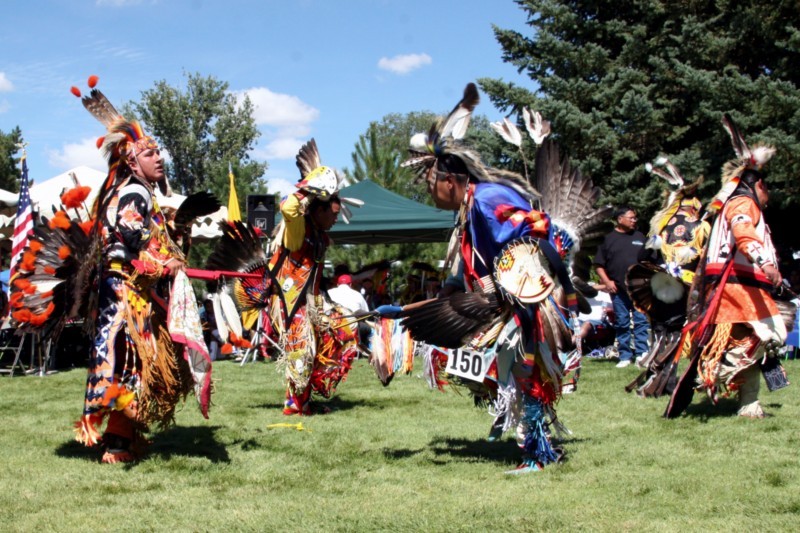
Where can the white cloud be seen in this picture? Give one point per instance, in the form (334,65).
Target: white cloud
(283,148)
(282,186)
(5,83)
(403,64)
(276,109)
(77,154)
(285,121)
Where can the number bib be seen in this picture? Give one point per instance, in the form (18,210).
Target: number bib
(468,364)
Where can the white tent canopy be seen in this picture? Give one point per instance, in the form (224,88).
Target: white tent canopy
(47,194)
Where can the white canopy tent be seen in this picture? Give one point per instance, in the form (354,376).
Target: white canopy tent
(47,194)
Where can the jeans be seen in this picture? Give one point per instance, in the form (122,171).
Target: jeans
(623,308)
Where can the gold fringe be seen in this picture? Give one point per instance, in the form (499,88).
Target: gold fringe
(712,353)
(686,349)
(164,378)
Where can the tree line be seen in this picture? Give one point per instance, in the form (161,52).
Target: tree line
(622,83)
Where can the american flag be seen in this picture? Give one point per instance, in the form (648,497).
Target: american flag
(23,225)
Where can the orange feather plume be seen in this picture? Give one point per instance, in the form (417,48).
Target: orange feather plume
(59,220)
(74,197)
(64,252)
(35,246)
(28,262)
(87,226)
(74,90)
(92,81)
(23,315)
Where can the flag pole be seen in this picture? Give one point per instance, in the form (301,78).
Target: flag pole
(19,237)
(23,226)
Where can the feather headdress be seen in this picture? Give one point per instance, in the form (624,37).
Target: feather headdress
(746,159)
(321,181)
(123,137)
(445,138)
(683,195)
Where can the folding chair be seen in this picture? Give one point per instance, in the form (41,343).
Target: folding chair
(14,344)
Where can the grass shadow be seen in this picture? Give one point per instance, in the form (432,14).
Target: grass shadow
(337,403)
(706,410)
(198,441)
(195,441)
(504,451)
(401,453)
(73,449)
(267,405)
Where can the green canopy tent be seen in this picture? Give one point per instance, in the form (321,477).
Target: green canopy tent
(388,218)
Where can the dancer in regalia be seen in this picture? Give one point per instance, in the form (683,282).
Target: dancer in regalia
(317,340)
(121,272)
(516,302)
(737,328)
(659,283)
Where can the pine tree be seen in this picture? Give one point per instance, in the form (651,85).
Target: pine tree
(9,160)
(626,81)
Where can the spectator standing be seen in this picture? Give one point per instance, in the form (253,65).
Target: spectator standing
(352,300)
(346,296)
(619,251)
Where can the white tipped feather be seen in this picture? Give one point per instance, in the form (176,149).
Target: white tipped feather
(508,131)
(457,121)
(220,316)
(419,142)
(355,202)
(231,316)
(762,154)
(346,214)
(537,128)
(457,124)
(672,175)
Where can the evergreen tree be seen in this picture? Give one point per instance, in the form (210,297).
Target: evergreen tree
(9,159)
(626,81)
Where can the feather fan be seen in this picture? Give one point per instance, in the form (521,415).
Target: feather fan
(239,249)
(570,199)
(451,322)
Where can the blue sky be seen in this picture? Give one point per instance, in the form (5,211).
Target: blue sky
(313,68)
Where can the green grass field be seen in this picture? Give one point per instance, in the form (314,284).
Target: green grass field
(402,458)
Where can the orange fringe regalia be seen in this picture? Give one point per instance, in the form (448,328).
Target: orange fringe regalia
(105,266)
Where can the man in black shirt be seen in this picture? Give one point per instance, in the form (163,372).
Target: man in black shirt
(619,251)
